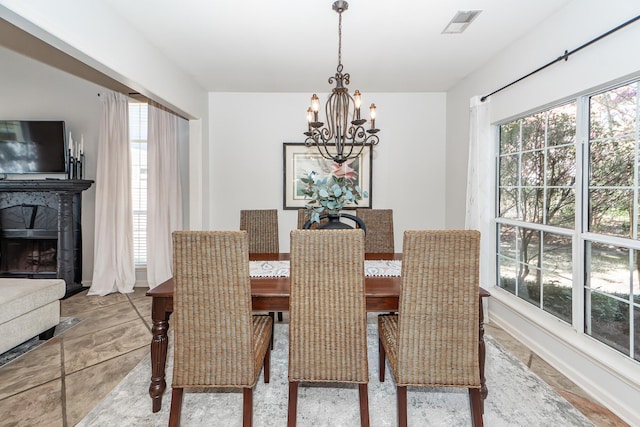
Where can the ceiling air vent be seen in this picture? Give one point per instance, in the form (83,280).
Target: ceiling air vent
(461,21)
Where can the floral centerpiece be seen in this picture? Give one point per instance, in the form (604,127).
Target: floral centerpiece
(329,193)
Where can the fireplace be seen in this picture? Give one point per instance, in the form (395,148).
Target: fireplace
(40,230)
(30,240)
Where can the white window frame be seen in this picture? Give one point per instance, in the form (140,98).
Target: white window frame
(580,235)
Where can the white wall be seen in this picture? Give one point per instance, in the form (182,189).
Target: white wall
(33,91)
(246,161)
(604,373)
(110,45)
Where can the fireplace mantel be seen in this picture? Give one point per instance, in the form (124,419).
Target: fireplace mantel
(65,196)
(47,185)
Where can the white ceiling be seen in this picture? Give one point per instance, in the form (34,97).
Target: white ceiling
(292,45)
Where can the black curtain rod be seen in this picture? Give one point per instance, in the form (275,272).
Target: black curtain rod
(130,93)
(564,57)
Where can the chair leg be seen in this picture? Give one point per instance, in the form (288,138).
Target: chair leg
(293,404)
(363,390)
(402,406)
(176,407)
(279,316)
(381,360)
(273,322)
(475,401)
(48,334)
(247,407)
(267,366)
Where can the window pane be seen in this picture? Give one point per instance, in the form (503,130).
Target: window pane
(613,113)
(509,203)
(507,242)
(561,128)
(507,274)
(558,255)
(509,173)
(635,277)
(138,121)
(558,296)
(609,269)
(533,131)
(610,211)
(610,321)
(611,162)
(533,168)
(561,166)
(636,328)
(561,206)
(138,146)
(529,246)
(529,284)
(532,204)
(529,273)
(510,137)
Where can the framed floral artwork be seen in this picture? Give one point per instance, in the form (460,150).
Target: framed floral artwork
(300,160)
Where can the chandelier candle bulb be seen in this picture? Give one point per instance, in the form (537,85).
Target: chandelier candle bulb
(357,101)
(315,106)
(373,116)
(309,120)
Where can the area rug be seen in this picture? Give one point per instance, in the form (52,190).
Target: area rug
(517,397)
(65,324)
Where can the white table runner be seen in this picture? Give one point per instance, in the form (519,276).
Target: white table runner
(281,268)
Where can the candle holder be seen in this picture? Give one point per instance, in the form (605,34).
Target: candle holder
(75,170)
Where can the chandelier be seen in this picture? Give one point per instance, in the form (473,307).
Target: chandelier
(340,139)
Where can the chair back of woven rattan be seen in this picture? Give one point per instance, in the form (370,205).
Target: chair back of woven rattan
(379,222)
(213,340)
(262,228)
(438,310)
(303,217)
(327,307)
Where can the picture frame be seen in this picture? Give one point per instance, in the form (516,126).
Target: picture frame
(299,160)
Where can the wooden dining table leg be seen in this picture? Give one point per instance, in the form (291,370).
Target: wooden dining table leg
(159,345)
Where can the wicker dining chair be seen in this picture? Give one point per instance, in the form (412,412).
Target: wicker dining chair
(327,309)
(218,342)
(433,340)
(262,228)
(303,217)
(379,237)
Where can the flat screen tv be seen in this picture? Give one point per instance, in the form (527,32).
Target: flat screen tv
(29,146)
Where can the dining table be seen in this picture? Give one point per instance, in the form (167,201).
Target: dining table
(272,294)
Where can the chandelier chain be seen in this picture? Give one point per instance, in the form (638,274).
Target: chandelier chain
(340,38)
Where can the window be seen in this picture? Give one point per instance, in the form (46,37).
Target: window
(545,216)
(138,144)
(536,208)
(612,266)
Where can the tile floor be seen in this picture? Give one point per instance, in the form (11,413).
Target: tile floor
(58,383)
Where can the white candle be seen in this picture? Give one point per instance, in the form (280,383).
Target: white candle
(81,144)
(70,144)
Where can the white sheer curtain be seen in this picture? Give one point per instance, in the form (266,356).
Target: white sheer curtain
(114,269)
(164,197)
(480,185)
